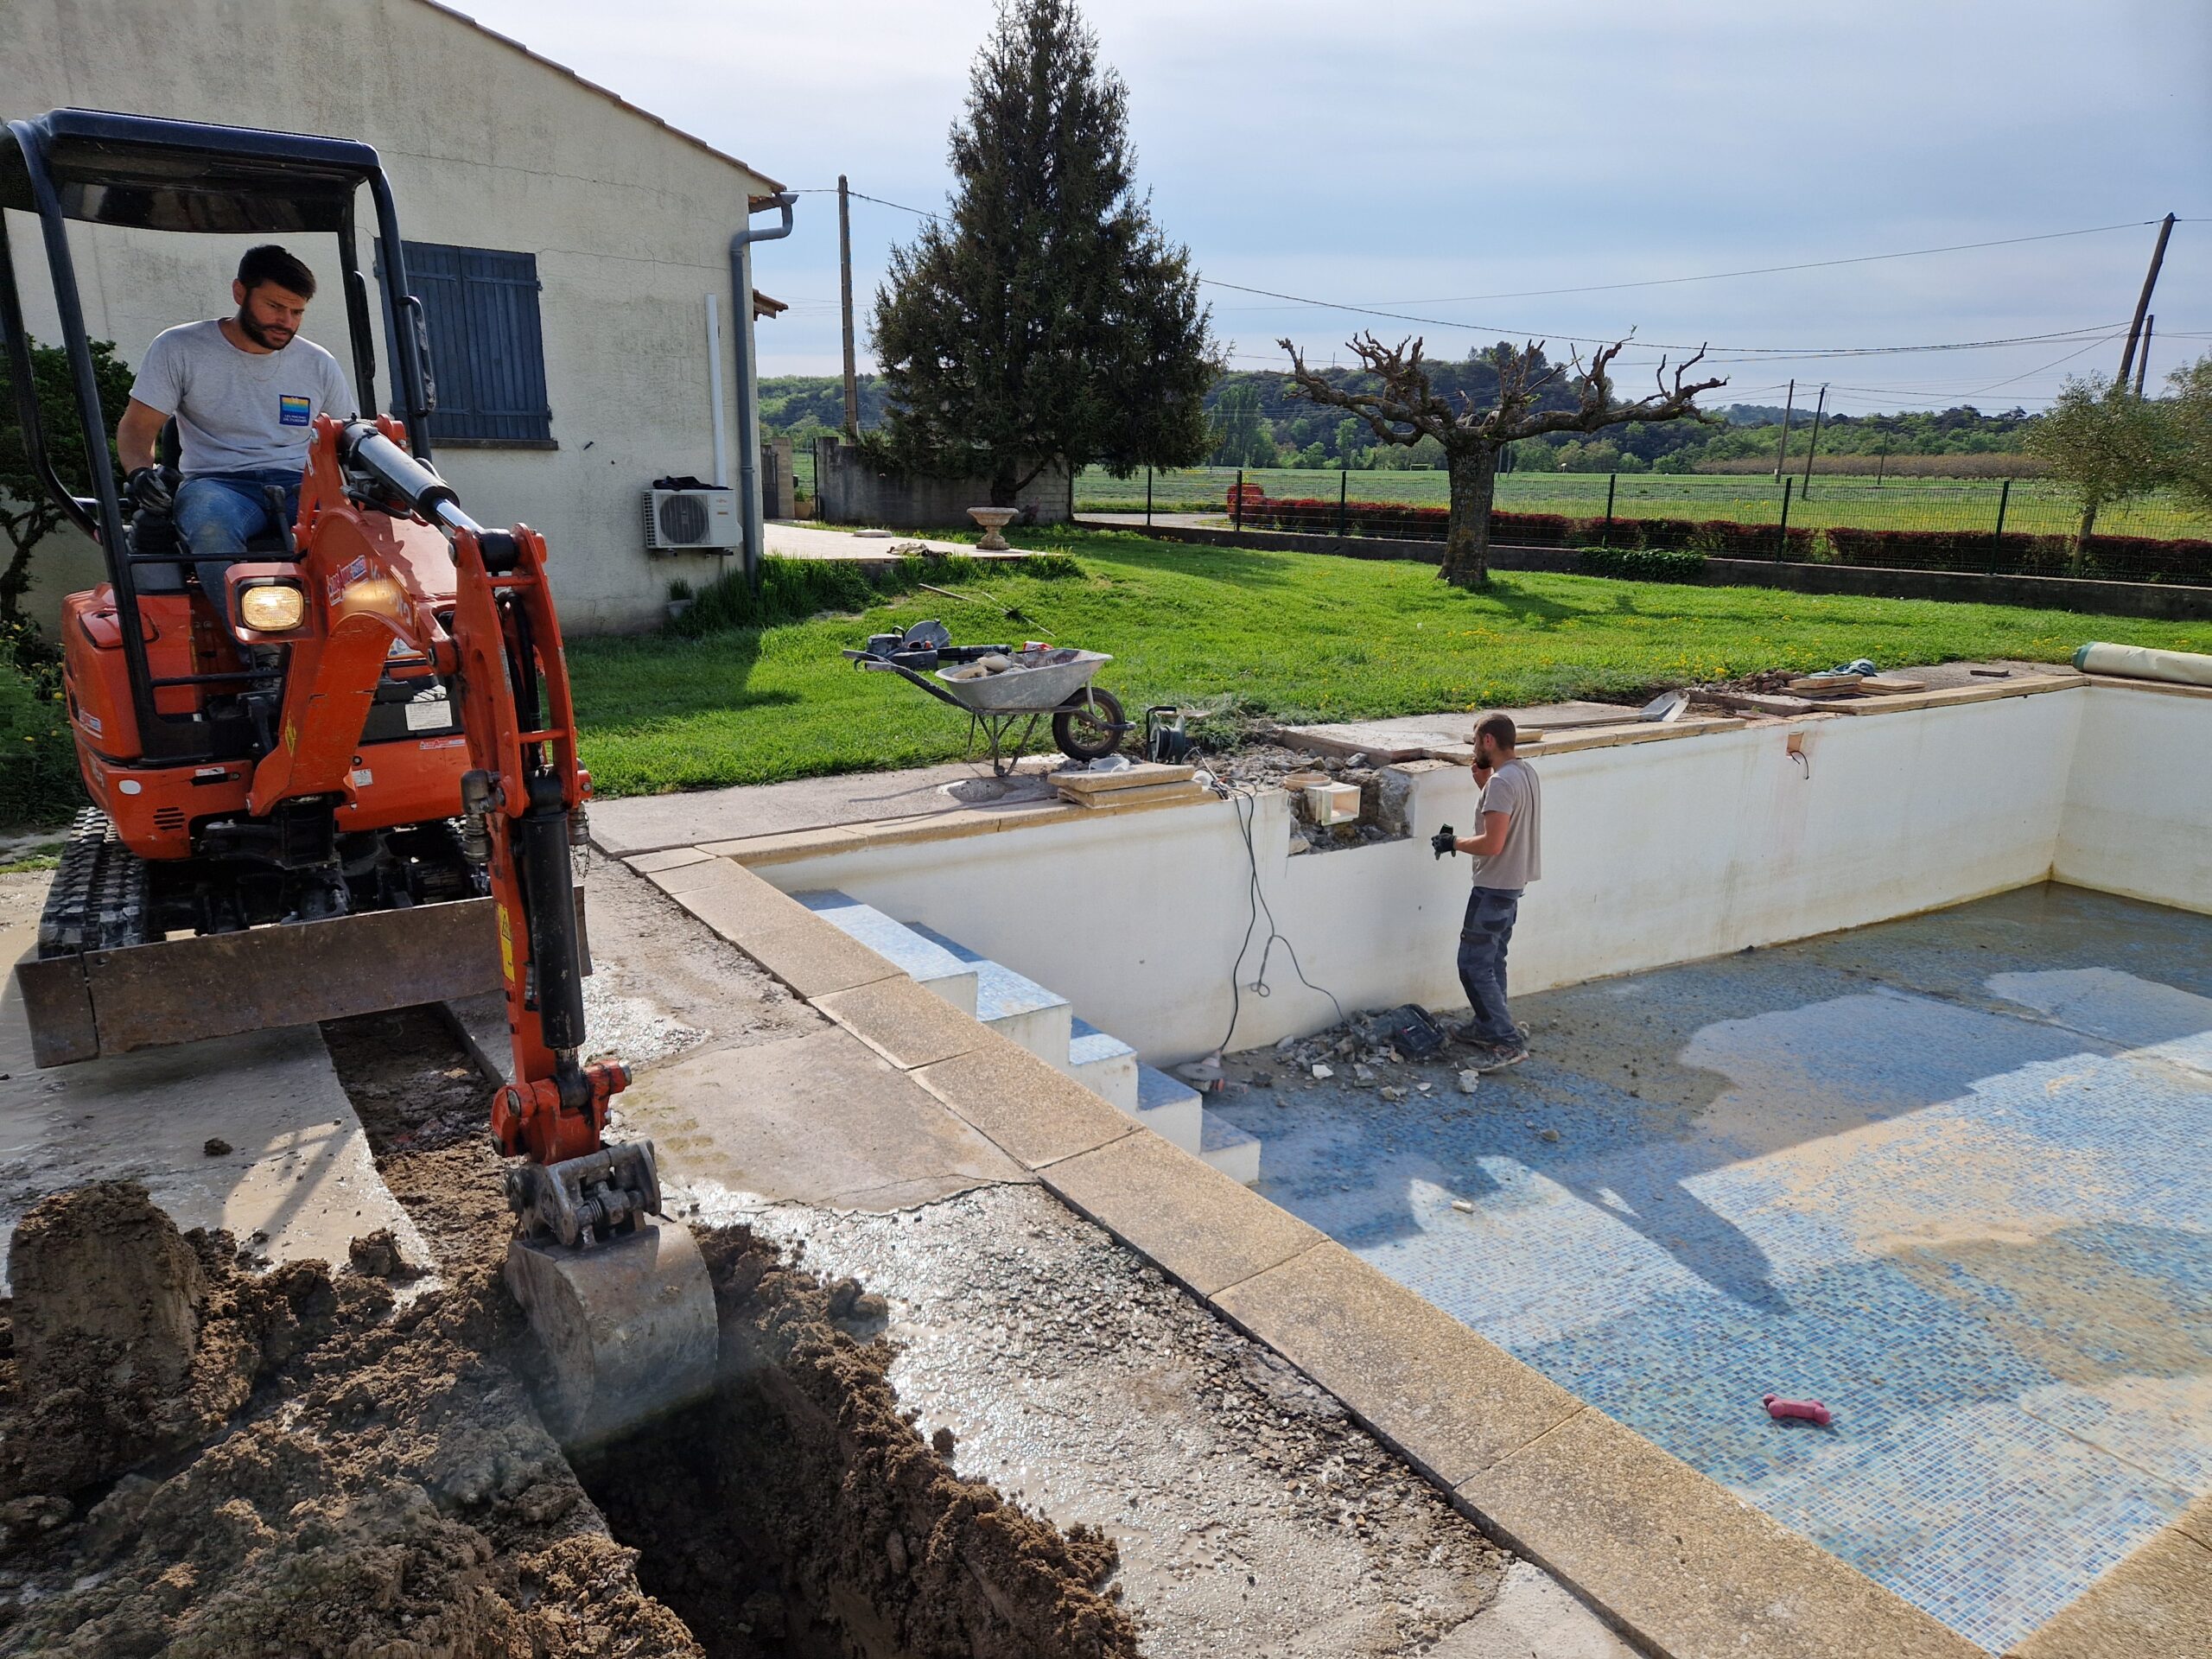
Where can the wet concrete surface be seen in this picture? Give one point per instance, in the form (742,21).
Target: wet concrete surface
(1948,1174)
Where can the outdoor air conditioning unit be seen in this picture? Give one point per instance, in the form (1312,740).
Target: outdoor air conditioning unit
(697,520)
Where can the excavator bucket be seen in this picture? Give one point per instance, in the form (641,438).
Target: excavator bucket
(627,1326)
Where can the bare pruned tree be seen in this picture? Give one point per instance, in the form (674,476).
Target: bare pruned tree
(1406,408)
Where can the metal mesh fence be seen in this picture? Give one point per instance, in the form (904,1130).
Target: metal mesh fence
(1987,525)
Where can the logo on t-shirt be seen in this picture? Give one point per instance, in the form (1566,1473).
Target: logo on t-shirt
(293,411)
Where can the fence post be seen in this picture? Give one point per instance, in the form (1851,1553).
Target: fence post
(1236,512)
(1612,479)
(1996,535)
(1782,531)
(1147,498)
(1344,486)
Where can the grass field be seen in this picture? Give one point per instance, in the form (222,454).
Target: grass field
(2034,508)
(1240,632)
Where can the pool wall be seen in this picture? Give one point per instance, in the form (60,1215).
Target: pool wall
(1655,852)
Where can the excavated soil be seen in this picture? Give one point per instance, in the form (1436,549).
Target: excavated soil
(196,1459)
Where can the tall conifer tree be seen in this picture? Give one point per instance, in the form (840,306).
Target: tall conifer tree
(1046,319)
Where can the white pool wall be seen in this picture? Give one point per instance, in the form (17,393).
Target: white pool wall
(1654,852)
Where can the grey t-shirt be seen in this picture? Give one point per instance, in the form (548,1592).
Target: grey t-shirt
(1513,790)
(240,412)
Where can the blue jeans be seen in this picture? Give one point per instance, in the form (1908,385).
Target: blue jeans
(1483,938)
(217,513)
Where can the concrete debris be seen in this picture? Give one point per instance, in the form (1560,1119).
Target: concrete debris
(1470,1081)
(1322,1073)
(1463,1206)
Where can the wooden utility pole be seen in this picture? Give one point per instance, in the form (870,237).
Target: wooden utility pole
(2143,304)
(845,279)
(1813,447)
(1781,457)
(2143,362)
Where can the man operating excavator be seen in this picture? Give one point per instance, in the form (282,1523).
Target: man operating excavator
(244,391)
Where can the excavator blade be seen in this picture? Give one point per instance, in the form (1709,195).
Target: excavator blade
(627,1326)
(83,1004)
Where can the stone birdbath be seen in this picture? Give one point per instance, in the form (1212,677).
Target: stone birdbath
(993,521)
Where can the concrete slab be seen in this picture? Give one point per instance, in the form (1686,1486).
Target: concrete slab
(1449,1402)
(1035,1113)
(908,1024)
(777,932)
(819,1119)
(790,541)
(1532,1617)
(1664,1549)
(1195,1222)
(2155,1605)
(298,1183)
(646,824)
(671,858)
(1411,737)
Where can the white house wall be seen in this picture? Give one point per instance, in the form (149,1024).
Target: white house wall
(1654,852)
(487,147)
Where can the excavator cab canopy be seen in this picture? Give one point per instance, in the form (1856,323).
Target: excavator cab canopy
(142,172)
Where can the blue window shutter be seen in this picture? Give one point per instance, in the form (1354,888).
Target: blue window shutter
(485,343)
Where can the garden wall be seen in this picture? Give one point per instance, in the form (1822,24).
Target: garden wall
(848,490)
(1655,853)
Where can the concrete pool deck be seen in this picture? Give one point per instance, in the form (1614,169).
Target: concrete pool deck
(1947,1173)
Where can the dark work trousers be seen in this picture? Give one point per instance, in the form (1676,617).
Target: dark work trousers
(1482,939)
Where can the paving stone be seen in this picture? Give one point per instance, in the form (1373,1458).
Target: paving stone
(908,1024)
(671,858)
(1195,1222)
(1451,1403)
(2157,1603)
(782,846)
(1035,1112)
(775,930)
(1670,1553)
(818,1119)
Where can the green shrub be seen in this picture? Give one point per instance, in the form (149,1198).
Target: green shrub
(792,590)
(1643,563)
(38,758)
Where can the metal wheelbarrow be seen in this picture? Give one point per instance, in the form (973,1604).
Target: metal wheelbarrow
(1007,706)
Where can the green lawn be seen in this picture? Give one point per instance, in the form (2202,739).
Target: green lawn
(1291,635)
(2034,506)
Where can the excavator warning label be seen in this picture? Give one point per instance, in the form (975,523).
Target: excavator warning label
(506,946)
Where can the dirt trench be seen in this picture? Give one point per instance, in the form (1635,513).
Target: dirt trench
(198,1458)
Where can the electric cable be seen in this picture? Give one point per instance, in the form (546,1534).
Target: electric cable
(1245,803)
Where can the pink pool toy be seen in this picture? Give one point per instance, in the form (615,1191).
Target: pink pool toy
(1811,1410)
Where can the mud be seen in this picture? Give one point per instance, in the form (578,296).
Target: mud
(200,1460)
(801,1512)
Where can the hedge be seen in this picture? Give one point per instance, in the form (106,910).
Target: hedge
(1642,564)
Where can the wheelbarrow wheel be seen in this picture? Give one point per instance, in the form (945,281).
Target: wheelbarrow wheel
(1088,725)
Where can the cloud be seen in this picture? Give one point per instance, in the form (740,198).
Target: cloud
(1445,149)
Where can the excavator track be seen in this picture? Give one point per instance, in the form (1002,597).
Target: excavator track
(99,898)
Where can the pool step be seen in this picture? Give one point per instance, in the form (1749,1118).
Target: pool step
(1015,1007)
(1102,1063)
(1041,1022)
(923,960)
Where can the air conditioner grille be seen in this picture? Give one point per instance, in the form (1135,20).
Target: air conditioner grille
(682,519)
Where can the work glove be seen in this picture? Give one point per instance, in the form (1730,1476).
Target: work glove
(149,490)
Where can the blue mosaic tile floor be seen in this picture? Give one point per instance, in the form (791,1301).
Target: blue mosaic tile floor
(1951,1175)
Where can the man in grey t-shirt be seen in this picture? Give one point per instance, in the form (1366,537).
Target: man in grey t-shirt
(1507,854)
(244,391)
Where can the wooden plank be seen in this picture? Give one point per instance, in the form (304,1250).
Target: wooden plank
(1890,683)
(1953,695)
(1759,703)
(1101,783)
(1173,789)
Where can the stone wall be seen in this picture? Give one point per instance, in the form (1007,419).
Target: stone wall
(849,491)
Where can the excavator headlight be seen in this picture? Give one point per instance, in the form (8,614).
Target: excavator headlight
(272,607)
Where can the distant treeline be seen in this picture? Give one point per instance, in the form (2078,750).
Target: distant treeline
(1257,423)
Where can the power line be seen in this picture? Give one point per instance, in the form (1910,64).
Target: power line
(1770,270)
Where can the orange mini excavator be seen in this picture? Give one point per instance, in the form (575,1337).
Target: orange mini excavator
(365,793)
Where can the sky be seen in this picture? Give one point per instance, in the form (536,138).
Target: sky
(1459,163)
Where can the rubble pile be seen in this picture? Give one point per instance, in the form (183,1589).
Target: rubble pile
(1381,792)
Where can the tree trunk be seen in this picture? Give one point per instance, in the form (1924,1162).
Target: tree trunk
(2077,557)
(1473,469)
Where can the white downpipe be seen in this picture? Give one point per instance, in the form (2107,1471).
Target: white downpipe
(715,387)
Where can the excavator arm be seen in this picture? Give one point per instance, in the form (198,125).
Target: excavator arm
(623,1304)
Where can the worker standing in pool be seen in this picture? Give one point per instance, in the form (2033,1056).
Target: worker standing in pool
(1508,857)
